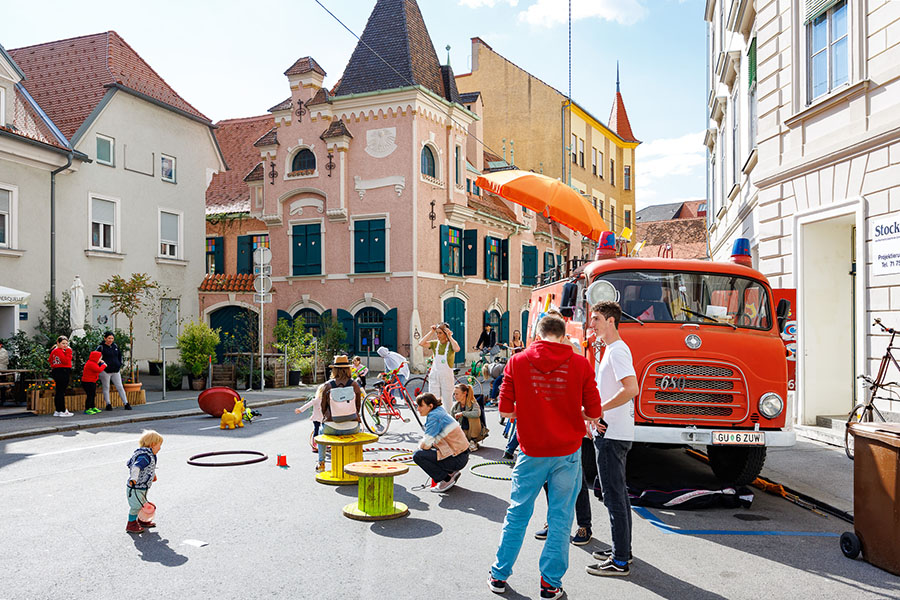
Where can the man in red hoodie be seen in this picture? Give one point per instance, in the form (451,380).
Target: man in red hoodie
(551,392)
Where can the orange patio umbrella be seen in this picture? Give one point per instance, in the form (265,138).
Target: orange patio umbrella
(548,196)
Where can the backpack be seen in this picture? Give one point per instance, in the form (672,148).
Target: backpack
(342,402)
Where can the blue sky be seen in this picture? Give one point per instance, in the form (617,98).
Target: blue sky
(227,57)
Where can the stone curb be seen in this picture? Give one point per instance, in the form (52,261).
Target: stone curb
(136,419)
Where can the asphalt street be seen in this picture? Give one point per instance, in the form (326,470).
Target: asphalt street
(260,531)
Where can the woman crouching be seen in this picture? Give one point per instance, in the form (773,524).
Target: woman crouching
(444,451)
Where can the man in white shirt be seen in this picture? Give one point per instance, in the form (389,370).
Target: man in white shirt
(617,383)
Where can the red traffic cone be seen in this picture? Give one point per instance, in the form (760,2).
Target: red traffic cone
(282,461)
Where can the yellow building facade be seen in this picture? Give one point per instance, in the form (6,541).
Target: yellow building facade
(534,126)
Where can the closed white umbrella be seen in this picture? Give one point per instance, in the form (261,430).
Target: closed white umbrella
(76,308)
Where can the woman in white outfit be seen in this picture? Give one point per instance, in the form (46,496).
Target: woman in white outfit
(443,348)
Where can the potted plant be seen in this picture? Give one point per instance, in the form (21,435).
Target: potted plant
(129,297)
(197,342)
(174,376)
(297,344)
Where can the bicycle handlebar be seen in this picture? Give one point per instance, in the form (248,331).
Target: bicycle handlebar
(883,328)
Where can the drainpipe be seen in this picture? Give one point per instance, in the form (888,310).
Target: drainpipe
(53,230)
(508,269)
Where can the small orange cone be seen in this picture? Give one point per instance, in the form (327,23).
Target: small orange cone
(282,461)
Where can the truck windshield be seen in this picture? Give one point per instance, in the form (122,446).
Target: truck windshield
(712,298)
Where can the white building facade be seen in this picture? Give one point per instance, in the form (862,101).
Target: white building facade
(828,176)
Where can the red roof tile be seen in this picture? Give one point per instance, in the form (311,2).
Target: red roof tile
(305,65)
(227,283)
(228,191)
(493,206)
(618,120)
(68,78)
(256,174)
(321,97)
(336,129)
(687,237)
(269,138)
(28,123)
(283,105)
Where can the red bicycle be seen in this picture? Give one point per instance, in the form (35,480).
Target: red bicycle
(380,406)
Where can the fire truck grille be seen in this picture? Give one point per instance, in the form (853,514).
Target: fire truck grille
(702,392)
(699,370)
(703,411)
(696,384)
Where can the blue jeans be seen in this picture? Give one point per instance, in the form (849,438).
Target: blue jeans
(326,430)
(513,443)
(611,455)
(563,476)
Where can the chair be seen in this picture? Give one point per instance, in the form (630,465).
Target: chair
(650,297)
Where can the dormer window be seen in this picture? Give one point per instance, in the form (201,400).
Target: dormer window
(304,163)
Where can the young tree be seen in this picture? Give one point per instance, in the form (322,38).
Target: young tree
(129,297)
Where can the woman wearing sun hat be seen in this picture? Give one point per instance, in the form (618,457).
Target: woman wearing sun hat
(341,402)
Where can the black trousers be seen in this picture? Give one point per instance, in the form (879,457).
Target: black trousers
(61,377)
(90,388)
(440,470)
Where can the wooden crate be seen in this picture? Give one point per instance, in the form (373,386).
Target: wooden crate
(42,402)
(224,375)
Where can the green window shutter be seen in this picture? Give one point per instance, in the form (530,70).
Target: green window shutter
(369,246)
(487,318)
(314,248)
(377,245)
(487,257)
(445,249)
(298,252)
(306,255)
(504,328)
(529,265)
(751,62)
(220,255)
(524,329)
(346,319)
(245,254)
(470,252)
(389,330)
(504,260)
(361,246)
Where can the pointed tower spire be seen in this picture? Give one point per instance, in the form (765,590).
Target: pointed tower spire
(448,55)
(618,118)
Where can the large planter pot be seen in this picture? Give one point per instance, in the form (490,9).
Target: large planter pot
(294,377)
(155,367)
(197,383)
(132,387)
(170,386)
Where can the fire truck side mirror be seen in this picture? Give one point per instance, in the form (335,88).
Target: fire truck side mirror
(782,311)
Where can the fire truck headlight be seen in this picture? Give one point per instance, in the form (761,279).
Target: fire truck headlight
(771,405)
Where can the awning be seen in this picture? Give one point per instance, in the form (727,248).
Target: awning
(11,297)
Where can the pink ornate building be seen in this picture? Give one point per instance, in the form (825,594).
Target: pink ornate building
(365,194)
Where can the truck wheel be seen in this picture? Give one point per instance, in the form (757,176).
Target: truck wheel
(737,466)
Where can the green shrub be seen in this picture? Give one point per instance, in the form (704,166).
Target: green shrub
(197,343)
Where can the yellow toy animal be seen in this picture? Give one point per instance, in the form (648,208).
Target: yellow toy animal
(235,417)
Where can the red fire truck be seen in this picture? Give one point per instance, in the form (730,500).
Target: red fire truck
(705,336)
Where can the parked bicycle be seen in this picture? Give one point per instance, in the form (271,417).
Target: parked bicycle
(867,412)
(380,406)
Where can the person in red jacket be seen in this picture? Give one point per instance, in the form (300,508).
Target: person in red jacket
(551,392)
(61,372)
(89,377)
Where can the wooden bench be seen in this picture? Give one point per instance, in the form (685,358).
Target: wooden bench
(345,449)
(376,491)
(5,387)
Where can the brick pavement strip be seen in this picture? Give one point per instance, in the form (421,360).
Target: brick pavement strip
(138,418)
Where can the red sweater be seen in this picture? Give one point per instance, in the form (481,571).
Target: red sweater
(92,368)
(61,359)
(547,386)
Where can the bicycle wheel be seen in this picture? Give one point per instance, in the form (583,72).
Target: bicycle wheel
(471,381)
(375,420)
(411,403)
(860,414)
(415,386)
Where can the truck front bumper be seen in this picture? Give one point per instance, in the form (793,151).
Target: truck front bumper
(680,436)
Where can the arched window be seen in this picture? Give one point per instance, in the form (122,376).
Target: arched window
(369,329)
(312,321)
(428,162)
(492,318)
(304,160)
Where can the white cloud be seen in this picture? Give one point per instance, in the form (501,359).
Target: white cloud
(548,13)
(487,3)
(670,167)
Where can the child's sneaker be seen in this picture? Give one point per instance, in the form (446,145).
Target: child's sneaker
(109,407)
(320,467)
(127,406)
(56,414)
(541,534)
(134,527)
(146,524)
(65,413)
(498,586)
(548,591)
(609,568)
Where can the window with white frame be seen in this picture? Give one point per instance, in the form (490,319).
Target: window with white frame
(735,136)
(593,161)
(711,194)
(5,218)
(169,234)
(458,166)
(167,168)
(627,177)
(103,224)
(721,175)
(828,48)
(751,96)
(600,164)
(106,150)
(581,153)
(574,148)
(2,106)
